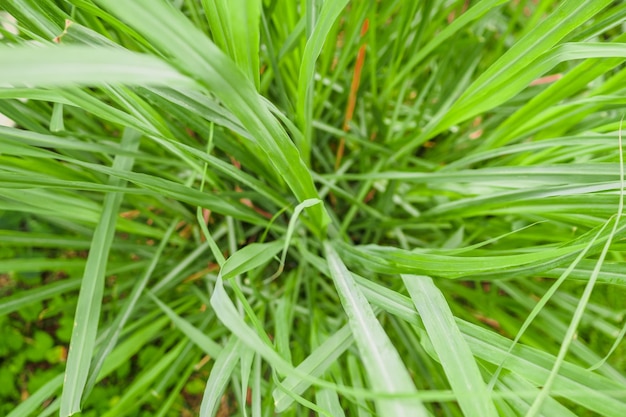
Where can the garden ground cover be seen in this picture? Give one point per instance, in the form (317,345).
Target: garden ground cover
(259,208)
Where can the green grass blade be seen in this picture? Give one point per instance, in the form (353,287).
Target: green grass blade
(126,312)
(576,384)
(584,299)
(230,317)
(454,354)
(224,365)
(246,358)
(227,313)
(465,19)
(235,29)
(131,396)
(28,406)
(328,400)
(68,66)
(194,334)
(499,92)
(567,17)
(393,260)
(17,301)
(291,228)
(328,15)
(250,257)
(315,365)
(570,15)
(183,193)
(172,33)
(545,298)
(384,366)
(88,309)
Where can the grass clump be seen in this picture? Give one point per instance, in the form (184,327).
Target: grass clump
(286,208)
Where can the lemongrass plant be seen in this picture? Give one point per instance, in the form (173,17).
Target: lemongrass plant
(333,208)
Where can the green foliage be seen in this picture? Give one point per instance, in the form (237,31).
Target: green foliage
(259,208)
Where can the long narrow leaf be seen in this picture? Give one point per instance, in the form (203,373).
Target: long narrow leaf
(454,353)
(171,32)
(329,14)
(88,309)
(224,365)
(385,369)
(235,29)
(68,66)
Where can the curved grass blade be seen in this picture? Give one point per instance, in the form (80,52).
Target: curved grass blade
(235,25)
(499,92)
(584,299)
(474,13)
(384,366)
(28,406)
(87,316)
(230,317)
(194,334)
(315,364)
(141,384)
(329,14)
(544,300)
(454,354)
(124,315)
(328,400)
(69,66)
(569,15)
(224,366)
(17,301)
(249,257)
(291,228)
(170,31)
(398,261)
